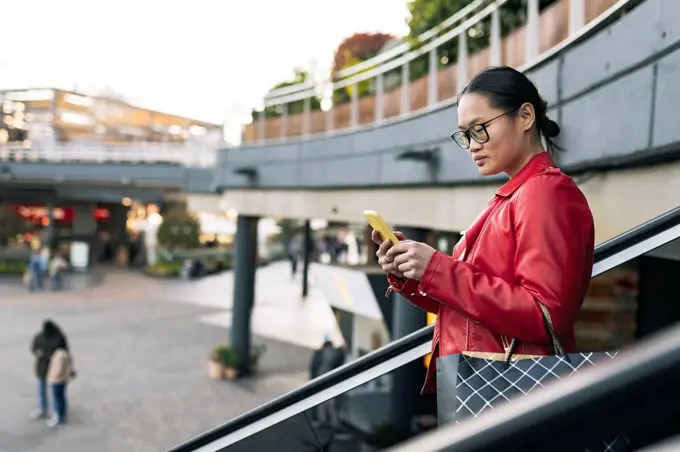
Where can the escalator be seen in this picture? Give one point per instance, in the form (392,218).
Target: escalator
(643,265)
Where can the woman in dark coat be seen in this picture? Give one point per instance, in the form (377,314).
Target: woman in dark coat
(43,346)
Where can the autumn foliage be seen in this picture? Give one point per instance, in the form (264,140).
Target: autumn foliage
(358,47)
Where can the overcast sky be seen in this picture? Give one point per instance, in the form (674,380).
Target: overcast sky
(209,59)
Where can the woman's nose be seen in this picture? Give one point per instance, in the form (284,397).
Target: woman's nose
(475,146)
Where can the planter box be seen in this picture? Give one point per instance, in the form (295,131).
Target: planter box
(217,371)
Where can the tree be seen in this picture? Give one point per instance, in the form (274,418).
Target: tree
(427,14)
(11,224)
(351,51)
(289,228)
(296,107)
(179,229)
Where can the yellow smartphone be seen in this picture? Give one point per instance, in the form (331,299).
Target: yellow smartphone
(379,224)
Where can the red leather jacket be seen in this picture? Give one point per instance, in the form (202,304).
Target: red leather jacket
(533,244)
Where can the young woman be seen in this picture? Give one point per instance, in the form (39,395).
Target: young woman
(59,374)
(530,252)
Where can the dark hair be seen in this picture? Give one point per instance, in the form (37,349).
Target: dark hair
(61,343)
(51,329)
(507,89)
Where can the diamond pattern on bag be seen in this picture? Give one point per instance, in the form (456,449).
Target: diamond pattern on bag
(484,384)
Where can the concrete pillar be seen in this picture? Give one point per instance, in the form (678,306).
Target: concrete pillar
(354,115)
(118,227)
(405,83)
(306,254)
(408,379)
(84,232)
(496,39)
(532,31)
(432,72)
(84,223)
(245,264)
(49,230)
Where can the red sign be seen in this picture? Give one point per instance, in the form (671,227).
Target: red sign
(62,214)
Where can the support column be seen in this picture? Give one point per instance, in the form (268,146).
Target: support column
(84,237)
(245,263)
(408,379)
(49,230)
(306,251)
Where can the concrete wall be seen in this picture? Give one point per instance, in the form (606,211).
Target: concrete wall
(194,180)
(620,200)
(615,95)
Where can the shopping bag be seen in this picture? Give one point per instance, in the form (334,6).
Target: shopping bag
(470,383)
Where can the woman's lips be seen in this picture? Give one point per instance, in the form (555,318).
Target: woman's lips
(479,161)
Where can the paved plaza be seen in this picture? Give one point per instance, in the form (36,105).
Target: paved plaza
(140,347)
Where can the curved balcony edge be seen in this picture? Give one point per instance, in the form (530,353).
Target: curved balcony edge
(445,87)
(617,113)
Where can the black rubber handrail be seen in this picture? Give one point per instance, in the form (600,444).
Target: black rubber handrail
(389,351)
(634,393)
(638,234)
(400,346)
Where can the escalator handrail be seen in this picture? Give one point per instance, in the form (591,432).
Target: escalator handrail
(390,351)
(543,413)
(606,250)
(652,227)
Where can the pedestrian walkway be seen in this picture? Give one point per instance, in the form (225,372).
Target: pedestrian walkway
(14,285)
(141,352)
(279,313)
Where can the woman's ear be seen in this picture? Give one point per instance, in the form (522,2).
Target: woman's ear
(527,116)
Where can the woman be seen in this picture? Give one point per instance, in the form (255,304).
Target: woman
(43,346)
(528,254)
(59,373)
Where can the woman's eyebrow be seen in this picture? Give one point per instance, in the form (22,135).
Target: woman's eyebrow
(474,121)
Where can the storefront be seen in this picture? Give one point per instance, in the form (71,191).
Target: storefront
(73,231)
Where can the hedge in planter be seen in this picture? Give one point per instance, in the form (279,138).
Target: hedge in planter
(179,230)
(224,362)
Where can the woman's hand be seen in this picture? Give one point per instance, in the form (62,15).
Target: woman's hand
(410,258)
(385,245)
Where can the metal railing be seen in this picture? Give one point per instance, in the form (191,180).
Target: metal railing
(193,155)
(400,57)
(636,393)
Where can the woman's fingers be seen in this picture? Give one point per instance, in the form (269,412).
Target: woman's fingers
(384,247)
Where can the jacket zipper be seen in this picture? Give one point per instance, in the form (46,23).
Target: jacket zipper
(471,256)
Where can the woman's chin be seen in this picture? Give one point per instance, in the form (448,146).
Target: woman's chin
(487,170)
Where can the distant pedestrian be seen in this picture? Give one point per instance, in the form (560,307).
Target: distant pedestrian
(58,266)
(60,372)
(37,265)
(324,360)
(49,339)
(294,256)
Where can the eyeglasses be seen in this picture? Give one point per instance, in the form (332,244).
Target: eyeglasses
(475,132)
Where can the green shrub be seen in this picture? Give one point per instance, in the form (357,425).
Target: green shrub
(165,269)
(179,230)
(12,267)
(226,355)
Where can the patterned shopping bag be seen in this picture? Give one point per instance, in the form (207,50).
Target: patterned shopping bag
(471,383)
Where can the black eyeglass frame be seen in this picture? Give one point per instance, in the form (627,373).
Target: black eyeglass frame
(481,139)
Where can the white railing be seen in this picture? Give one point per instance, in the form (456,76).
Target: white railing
(193,155)
(456,26)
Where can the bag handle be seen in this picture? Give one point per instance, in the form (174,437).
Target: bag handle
(555,344)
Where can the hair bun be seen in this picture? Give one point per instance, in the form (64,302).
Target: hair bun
(549,128)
